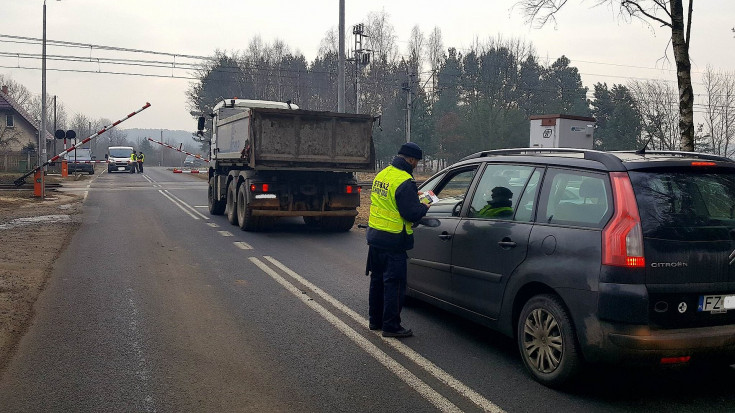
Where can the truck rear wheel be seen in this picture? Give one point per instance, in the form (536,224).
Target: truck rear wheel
(244,216)
(337,224)
(216,207)
(231,208)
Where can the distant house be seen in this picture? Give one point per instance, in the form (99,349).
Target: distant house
(18,132)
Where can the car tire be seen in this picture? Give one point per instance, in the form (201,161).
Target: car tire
(547,341)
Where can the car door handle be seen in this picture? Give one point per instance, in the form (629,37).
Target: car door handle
(445,236)
(507,244)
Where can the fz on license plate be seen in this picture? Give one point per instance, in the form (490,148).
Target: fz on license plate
(716,303)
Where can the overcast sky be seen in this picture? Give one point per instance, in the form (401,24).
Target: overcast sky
(603,47)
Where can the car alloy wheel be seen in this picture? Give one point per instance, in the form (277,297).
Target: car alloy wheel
(547,341)
(542,341)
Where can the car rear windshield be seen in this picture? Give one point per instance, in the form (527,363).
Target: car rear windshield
(685,204)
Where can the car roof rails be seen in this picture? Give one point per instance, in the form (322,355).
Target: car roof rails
(608,159)
(682,154)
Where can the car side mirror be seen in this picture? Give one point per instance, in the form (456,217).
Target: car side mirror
(94,157)
(107,156)
(457,209)
(429,222)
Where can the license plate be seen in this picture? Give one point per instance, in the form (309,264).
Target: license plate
(716,303)
(120,168)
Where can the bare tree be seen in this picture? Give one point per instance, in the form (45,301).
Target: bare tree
(329,43)
(381,36)
(435,54)
(416,46)
(8,136)
(666,13)
(719,111)
(19,93)
(656,101)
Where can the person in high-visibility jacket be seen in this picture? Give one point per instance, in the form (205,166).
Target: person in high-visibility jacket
(140,160)
(394,206)
(133,162)
(500,204)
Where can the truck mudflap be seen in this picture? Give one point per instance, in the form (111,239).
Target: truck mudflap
(277,213)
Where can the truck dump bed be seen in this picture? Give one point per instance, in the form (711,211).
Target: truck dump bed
(297,139)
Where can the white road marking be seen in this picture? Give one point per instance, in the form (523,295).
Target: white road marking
(427,365)
(439,401)
(212,224)
(177,204)
(143,370)
(225,233)
(201,206)
(243,245)
(186,205)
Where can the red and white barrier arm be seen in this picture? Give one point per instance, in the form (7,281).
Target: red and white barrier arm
(192,171)
(178,149)
(20,181)
(68,161)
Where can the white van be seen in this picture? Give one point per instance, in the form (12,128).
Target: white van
(118,158)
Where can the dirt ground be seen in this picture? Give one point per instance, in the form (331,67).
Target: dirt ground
(33,233)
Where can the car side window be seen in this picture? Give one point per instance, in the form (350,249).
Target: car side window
(499,190)
(575,198)
(451,190)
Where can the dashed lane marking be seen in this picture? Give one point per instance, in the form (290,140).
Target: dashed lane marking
(212,224)
(225,233)
(243,245)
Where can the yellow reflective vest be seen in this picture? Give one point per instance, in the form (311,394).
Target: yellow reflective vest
(141,158)
(384,215)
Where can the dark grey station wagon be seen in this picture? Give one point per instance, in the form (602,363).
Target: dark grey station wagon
(585,256)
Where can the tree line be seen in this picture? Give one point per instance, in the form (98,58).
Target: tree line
(465,101)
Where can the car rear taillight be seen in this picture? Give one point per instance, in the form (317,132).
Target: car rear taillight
(622,237)
(353,189)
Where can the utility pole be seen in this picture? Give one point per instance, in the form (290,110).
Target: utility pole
(407,87)
(42,133)
(341,63)
(55,151)
(361,58)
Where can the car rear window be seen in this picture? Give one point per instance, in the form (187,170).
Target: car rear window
(685,204)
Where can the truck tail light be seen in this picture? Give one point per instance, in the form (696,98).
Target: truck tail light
(353,189)
(622,237)
(259,187)
(675,360)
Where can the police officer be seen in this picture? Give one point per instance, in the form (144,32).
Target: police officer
(133,162)
(394,206)
(141,158)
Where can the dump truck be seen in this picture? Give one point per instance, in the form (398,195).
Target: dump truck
(271,159)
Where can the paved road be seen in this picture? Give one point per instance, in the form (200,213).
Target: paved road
(156,306)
